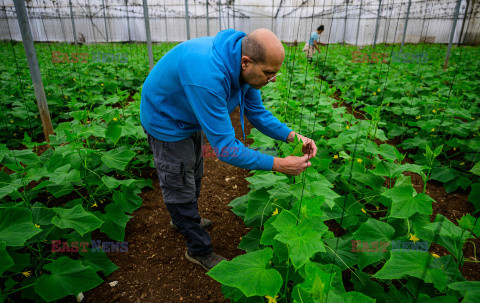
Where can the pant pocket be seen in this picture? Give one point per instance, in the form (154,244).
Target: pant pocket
(170,174)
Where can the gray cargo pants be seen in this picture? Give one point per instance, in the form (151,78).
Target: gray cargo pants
(179,167)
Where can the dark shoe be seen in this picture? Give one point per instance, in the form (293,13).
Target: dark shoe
(205,223)
(207,262)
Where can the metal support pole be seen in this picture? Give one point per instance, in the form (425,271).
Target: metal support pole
(233,13)
(187,20)
(358,25)
(228,15)
(105,19)
(455,19)
(147,31)
(73,22)
(273,2)
(345,23)
(34,68)
(61,22)
(208,22)
(376,26)
(128,22)
(166,29)
(219,15)
(406,24)
(463,23)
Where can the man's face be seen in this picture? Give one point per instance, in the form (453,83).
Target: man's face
(259,74)
(319,32)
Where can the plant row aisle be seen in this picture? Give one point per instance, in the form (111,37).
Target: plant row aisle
(357,225)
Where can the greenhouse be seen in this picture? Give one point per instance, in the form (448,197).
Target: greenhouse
(240,151)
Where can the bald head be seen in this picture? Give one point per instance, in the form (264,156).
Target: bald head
(262,45)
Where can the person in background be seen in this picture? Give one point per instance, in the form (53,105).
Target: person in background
(313,44)
(194,88)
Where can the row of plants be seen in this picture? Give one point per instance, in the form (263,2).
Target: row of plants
(63,204)
(352,227)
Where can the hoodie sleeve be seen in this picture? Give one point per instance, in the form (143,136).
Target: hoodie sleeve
(262,119)
(212,114)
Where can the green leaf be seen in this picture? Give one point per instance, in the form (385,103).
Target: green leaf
(265,180)
(118,158)
(476,169)
(249,273)
(7,261)
(114,132)
(349,297)
(412,263)
(68,277)
(8,184)
(128,198)
(474,196)
(16,226)
(251,241)
(405,204)
(304,239)
(99,261)
(115,221)
(76,218)
(444,174)
(317,283)
(373,231)
(112,182)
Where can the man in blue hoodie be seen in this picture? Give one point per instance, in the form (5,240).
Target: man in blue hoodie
(195,87)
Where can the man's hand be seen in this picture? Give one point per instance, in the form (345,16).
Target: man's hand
(291,165)
(309,146)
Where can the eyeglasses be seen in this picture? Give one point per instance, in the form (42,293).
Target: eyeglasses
(273,75)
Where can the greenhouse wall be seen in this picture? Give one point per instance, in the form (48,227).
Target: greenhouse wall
(292,20)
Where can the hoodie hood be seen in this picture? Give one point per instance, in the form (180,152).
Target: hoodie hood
(228,46)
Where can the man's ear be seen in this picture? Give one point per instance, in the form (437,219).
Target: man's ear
(245,62)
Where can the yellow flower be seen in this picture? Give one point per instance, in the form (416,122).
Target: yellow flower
(454,149)
(378,208)
(81,90)
(26,273)
(348,127)
(361,87)
(378,90)
(116,78)
(115,119)
(101,84)
(433,129)
(49,94)
(359,160)
(73,79)
(374,93)
(421,77)
(271,300)
(433,110)
(417,117)
(413,238)
(335,157)
(363,210)
(94,205)
(275,212)
(36,225)
(11,121)
(435,255)
(462,163)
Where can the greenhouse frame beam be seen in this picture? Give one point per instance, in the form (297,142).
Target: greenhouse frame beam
(376,25)
(208,21)
(463,23)
(454,25)
(105,19)
(35,74)
(149,36)
(73,23)
(187,21)
(406,23)
(358,24)
(345,23)
(219,15)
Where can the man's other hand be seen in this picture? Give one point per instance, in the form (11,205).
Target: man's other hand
(309,146)
(291,165)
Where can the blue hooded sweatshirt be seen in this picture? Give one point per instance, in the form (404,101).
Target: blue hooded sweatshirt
(195,86)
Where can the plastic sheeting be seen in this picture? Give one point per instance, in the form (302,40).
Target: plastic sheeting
(291,20)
